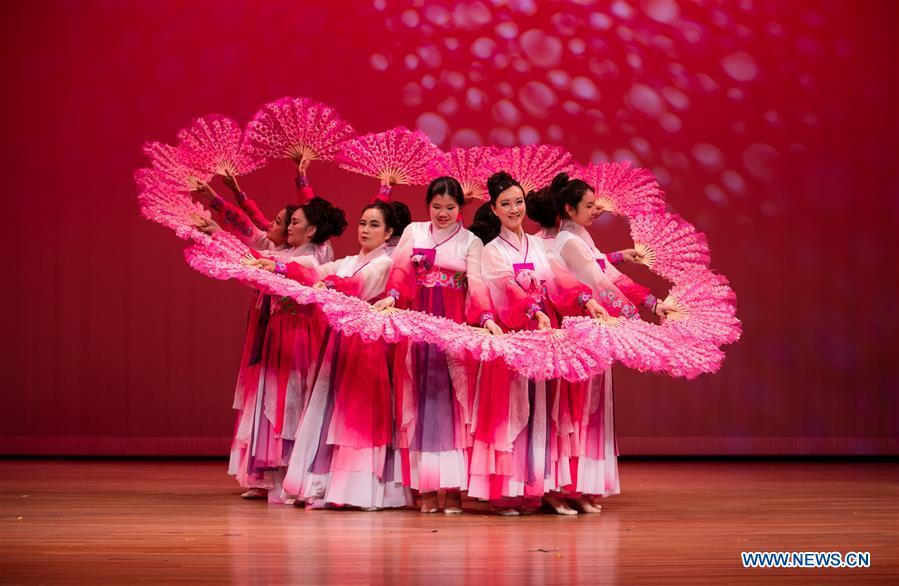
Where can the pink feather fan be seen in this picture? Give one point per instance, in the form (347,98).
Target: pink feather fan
(397,157)
(705,309)
(216,144)
(622,189)
(534,166)
(171,165)
(297,128)
(468,166)
(169,207)
(670,245)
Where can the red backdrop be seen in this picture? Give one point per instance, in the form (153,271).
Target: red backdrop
(772,126)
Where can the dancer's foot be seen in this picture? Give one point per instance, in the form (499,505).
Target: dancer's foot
(291,502)
(429,502)
(584,505)
(559,506)
(507,512)
(369,509)
(255,493)
(315,504)
(453,503)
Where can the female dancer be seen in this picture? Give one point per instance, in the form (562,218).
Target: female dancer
(272,384)
(573,202)
(345,453)
(516,452)
(436,269)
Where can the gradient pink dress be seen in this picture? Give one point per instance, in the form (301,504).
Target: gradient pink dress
(596,470)
(436,271)
(345,452)
(517,450)
(271,387)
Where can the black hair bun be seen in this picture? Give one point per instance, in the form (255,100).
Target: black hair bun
(559,182)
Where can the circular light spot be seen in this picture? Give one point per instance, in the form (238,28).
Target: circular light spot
(449,106)
(661,10)
(555,133)
(558,78)
(541,49)
(454,79)
(475,98)
(645,99)
(536,98)
(504,111)
(584,88)
(600,21)
(434,126)
(669,122)
(708,155)
(564,23)
(437,14)
(483,48)
(528,135)
(502,137)
(625,155)
(740,66)
(715,194)
(641,146)
(599,156)
(678,99)
(410,18)
(466,138)
(733,181)
(411,61)
(429,82)
(507,30)
(572,107)
(412,94)
(430,54)
(379,62)
(761,161)
(622,9)
(577,46)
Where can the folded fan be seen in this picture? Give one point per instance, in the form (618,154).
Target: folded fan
(297,128)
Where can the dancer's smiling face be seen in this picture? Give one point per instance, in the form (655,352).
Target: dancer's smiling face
(444,211)
(373,230)
(586,210)
(277,232)
(509,207)
(300,231)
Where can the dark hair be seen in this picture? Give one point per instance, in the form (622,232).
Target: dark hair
(485,224)
(499,182)
(289,209)
(328,220)
(445,186)
(547,205)
(396,215)
(403,217)
(541,207)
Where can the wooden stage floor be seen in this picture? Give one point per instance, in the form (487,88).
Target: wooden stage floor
(677,522)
